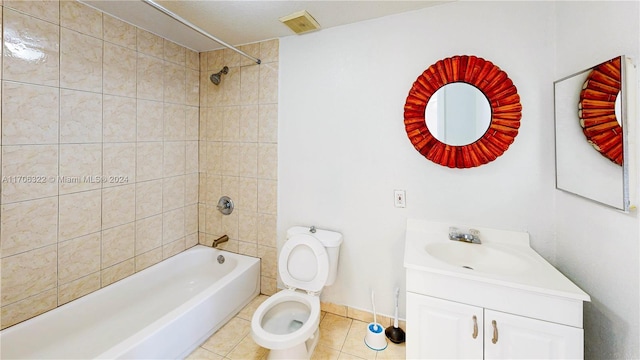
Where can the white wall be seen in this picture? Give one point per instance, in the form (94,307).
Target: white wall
(343,148)
(596,246)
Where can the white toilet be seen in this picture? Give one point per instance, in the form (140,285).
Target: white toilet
(288,322)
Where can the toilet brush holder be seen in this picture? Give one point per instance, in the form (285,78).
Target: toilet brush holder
(375,338)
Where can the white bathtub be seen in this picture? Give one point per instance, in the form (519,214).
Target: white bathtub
(162,312)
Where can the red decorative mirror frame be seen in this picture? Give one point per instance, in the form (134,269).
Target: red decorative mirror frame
(597,110)
(506,111)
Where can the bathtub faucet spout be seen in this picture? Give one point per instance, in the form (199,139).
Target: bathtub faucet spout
(220,240)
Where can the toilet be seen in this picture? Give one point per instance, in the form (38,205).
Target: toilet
(288,322)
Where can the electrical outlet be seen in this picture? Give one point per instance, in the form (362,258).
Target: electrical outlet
(399,198)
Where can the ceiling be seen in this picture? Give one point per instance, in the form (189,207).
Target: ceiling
(242,22)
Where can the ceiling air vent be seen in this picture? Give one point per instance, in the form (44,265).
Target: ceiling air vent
(300,22)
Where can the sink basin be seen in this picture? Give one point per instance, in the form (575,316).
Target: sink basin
(478,257)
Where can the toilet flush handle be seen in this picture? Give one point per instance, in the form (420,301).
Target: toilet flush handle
(312,229)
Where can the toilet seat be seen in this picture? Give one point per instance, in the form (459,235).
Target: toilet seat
(276,341)
(295,264)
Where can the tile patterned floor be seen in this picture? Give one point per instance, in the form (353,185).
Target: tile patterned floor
(341,338)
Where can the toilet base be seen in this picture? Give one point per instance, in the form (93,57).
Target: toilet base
(300,351)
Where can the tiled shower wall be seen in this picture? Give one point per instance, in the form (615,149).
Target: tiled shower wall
(85,96)
(238,153)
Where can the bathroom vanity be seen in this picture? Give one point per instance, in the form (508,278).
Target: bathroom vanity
(497,299)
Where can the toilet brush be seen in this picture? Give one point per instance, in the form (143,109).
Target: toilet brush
(394,333)
(374,338)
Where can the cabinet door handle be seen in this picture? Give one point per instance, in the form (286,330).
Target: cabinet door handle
(475,327)
(495,331)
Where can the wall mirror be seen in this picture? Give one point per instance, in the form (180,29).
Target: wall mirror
(591,130)
(462,112)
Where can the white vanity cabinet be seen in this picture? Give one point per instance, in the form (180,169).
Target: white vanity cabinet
(494,300)
(442,329)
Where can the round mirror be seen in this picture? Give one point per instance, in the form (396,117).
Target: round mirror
(458,114)
(486,104)
(599,110)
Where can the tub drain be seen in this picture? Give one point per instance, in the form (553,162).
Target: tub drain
(220,259)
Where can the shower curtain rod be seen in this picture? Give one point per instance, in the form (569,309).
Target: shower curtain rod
(202,32)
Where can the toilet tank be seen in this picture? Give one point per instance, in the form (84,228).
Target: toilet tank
(331,240)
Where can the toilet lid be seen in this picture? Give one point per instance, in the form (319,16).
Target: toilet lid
(304,263)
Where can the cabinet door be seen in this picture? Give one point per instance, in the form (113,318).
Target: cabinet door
(516,337)
(440,329)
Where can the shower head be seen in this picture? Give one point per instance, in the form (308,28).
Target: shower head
(215,78)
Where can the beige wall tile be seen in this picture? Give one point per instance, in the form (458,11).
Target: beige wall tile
(28,274)
(269,261)
(231,123)
(191,240)
(268,123)
(147,259)
(268,161)
(231,58)
(32,172)
(214,221)
(229,225)
(213,189)
(149,162)
(78,257)
(118,164)
(230,86)
(148,234)
(80,214)
(148,198)
(191,164)
(119,70)
(269,51)
(192,121)
(150,44)
(29,307)
(192,60)
(269,83)
(230,159)
(118,205)
(268,286)
(149,78)
(118,244)
(191,188)
(248,226)
(173,248)
(23,123)
(174,122)
(249,123)
(247,199)
(191,219)
(119,32)
(79,17)
(215,123)
(28,225)
(42,9)
(247,248)
(119,119)
(172,225)
(173,192)
(249,84)
(248,159)
(80,167)
(24,35)
(192,84)
(117,272)
(80,61)
(150,117)
(214,60)
(174,83)
(174,158)
(78,288)
(339,310)
(174,53)
(267,234)
(250,49)
(267,196)
(80,117)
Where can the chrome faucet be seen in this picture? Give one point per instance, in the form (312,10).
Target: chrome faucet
(220,240)
(473,237)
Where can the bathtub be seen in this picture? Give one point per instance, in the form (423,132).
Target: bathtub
(162,312)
